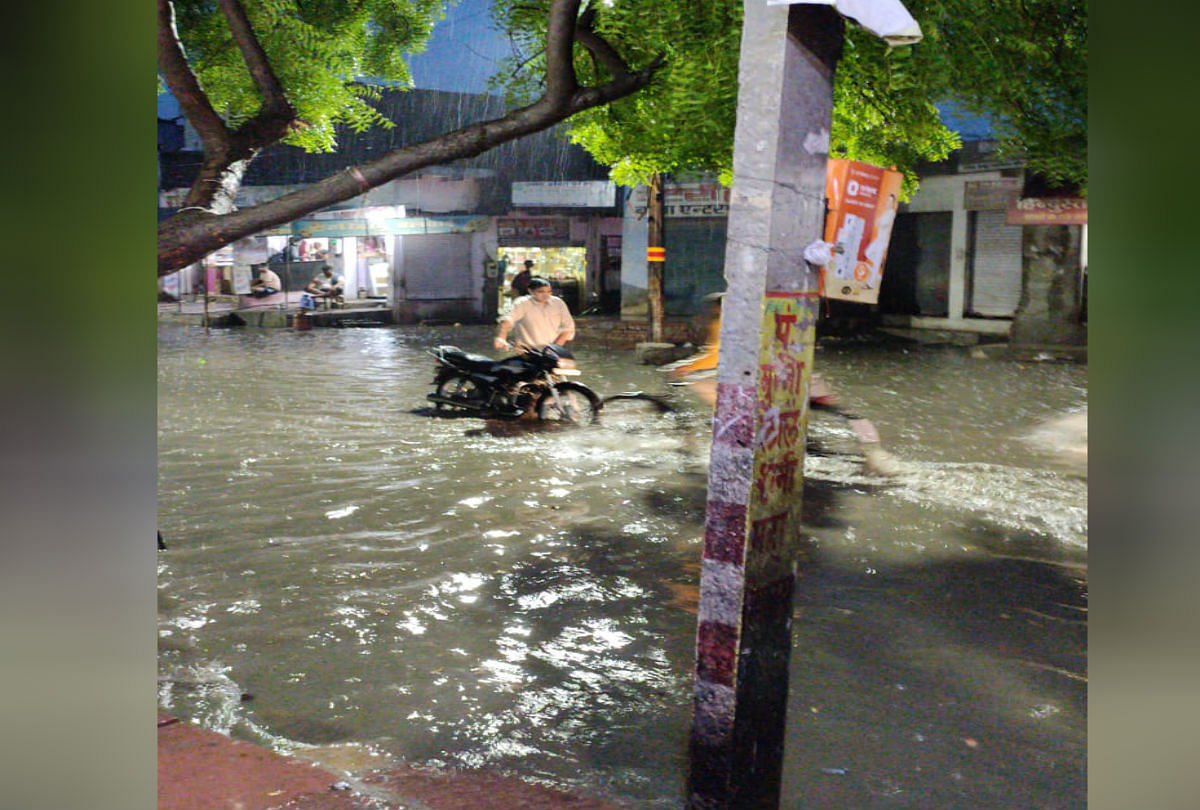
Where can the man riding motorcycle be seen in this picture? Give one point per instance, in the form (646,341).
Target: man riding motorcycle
(536,319)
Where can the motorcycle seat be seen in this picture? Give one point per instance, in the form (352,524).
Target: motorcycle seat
(459,357)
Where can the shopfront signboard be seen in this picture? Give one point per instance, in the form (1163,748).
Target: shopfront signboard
(1047,211)
(991,195)
(689,199)
(576,194)
(533,231)
(403,226)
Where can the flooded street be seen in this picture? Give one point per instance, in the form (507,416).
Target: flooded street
(354,579)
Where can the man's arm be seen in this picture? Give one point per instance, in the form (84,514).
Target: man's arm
(566,328)
(504,327)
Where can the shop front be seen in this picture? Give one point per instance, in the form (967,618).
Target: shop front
(547,242)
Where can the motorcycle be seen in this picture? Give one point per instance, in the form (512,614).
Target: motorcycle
(528,383)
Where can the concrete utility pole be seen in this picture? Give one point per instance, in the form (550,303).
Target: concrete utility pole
(753,546)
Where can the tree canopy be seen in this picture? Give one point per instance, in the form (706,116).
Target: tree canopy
(318,50)
(684,119)
(1021,63)
(647,86)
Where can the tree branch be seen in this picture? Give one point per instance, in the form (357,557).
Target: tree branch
(276,111)
(605,54)
(184,86)
(561,82)
(200,228)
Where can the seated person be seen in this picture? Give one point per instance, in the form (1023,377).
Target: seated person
(326,284)
(267,283)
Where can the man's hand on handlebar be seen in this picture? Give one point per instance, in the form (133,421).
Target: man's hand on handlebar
(501,343)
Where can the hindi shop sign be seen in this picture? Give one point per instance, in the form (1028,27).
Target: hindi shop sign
(686,200)
(1047,211)
(532,232)
(991,195)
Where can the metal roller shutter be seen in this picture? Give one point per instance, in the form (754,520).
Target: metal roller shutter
(995,266)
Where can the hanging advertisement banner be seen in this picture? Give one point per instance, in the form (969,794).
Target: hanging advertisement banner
(862,200)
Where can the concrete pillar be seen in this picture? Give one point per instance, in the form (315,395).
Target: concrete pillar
(752,544)
(957,291)
(635,276)
(1049,313)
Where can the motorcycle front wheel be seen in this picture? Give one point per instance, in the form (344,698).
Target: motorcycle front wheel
(575,403)
(464,389)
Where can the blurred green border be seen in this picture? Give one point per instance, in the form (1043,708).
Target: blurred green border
(77,582)
(1144,695)
(77,590)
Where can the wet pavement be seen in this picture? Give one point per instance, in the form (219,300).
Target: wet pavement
(200,769)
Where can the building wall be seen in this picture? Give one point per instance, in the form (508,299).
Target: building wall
(695,214)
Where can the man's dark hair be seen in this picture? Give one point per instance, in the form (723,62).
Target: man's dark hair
(529,262)
(537,282)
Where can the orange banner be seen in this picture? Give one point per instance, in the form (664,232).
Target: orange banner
(862,202)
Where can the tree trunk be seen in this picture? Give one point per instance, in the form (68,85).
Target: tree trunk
(1050,312)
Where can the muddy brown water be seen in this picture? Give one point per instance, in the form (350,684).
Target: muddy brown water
(351,578)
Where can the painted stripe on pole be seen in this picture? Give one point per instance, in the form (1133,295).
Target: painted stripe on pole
(656,254)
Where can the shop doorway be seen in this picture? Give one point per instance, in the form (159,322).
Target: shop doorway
(564,267)
(373,265)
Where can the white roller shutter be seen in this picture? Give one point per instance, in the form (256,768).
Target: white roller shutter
(996,269)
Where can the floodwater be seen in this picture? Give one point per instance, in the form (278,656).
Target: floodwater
(351,578)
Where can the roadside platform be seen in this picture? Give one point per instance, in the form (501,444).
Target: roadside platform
(200,769)
(222,311)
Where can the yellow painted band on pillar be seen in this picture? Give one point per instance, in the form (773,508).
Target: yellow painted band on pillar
(656,254)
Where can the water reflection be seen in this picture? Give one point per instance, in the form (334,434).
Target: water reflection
(483,593)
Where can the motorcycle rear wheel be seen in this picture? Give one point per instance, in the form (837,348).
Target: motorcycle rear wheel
(461,387)
(575,403)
